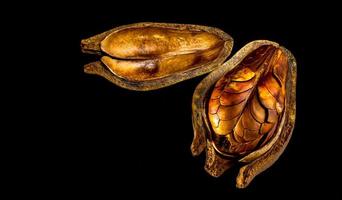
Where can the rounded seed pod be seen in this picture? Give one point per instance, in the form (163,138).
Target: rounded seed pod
(244,111)
(148,56)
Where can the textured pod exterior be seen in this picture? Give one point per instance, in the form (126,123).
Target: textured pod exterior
(245,110)
(148,56)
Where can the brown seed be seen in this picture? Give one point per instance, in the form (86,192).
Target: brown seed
(149,42)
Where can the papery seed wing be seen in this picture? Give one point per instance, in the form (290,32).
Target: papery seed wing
(247,103)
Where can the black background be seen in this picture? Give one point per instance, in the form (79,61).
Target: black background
(109,141)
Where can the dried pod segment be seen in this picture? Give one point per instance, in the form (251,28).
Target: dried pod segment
(244,111)
(147,56)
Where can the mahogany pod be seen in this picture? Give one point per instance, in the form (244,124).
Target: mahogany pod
(244,111)
(149,56)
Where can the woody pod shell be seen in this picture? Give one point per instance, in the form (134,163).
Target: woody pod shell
(259,160)
(93,45)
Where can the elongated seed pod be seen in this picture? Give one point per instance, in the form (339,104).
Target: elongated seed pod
(148,56)
(245,110)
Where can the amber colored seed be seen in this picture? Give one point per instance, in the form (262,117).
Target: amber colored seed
(249,101)
(148,53)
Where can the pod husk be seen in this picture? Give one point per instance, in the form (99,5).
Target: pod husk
(258,160)
(92,45)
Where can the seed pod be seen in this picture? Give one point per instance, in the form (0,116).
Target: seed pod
(244,111)
(148,56)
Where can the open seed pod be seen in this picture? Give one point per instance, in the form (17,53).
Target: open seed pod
(244,111)
(148,56)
